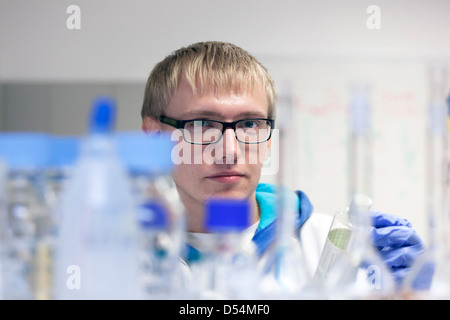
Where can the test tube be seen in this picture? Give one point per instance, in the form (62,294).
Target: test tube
(360,141)
(430,277)
(285,275)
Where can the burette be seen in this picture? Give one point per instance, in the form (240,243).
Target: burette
(360,142)
(436,259)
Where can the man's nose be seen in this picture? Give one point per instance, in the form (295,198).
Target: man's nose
(230,146)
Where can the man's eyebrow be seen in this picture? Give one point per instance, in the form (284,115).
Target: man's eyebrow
(214,114)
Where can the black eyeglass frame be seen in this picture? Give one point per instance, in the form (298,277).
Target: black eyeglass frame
(179,124)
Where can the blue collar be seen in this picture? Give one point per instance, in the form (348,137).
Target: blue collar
(267,197)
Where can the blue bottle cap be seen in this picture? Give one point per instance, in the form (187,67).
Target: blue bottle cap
(64,151)
(227,215)
(25,150)
(153,215)
(103,115)
(145,153)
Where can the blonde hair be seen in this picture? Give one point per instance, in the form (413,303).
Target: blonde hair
(220,64)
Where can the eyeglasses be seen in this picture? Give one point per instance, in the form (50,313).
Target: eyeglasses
(205,131)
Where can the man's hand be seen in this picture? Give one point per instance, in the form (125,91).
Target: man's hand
(398,244)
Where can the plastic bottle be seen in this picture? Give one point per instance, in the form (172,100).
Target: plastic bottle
(25,216)
(357,272)
(97,243)
(63,153)
(160,214)
(227,268)
(339,237)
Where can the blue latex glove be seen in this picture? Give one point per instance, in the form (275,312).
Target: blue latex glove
(397,242)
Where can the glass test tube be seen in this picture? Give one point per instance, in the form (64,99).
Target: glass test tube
(360,142)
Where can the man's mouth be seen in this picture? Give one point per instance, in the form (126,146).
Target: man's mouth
(226,177)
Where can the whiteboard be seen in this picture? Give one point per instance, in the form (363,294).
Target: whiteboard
(399,93)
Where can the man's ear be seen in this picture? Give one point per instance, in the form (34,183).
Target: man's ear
(150,124)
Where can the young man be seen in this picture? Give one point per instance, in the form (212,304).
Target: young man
(222,102)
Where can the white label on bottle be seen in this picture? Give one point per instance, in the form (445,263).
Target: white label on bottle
(331,252)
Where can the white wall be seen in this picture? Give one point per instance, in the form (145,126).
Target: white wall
(122,40)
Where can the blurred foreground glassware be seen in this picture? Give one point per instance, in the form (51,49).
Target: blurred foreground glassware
(160,214)
(284,271)
(96,256)
(429,277)
(227,265)
(357,272)
(26,221)
(360,141)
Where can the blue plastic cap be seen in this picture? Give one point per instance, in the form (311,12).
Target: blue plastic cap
(227,215)
(145,153)
(103,115)
(64,151)
(153,215)
(25,150)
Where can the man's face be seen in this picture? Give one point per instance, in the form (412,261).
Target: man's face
(228,168)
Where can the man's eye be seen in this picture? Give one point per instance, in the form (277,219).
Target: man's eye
(250,124)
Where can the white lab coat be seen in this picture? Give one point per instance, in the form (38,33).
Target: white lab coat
(312,237)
